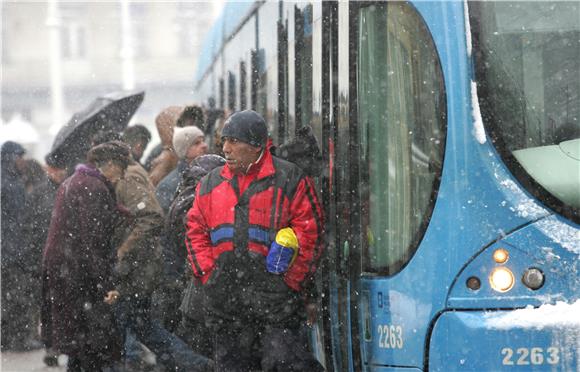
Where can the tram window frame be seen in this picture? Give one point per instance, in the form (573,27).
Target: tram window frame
(403,227)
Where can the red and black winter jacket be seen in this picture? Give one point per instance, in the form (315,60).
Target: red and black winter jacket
(244,213)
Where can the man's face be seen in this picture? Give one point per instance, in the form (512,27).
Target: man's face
(57,175)
(239,155)
(20,164)
(198,148)
(137,150)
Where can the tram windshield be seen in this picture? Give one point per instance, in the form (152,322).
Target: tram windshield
(527,58)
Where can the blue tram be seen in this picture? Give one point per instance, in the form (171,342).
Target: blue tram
(451,141)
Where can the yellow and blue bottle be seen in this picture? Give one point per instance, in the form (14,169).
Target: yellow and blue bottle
(283,251)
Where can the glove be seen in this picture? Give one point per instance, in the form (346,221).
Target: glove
(282,252)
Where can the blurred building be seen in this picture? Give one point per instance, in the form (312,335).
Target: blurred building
(166,37)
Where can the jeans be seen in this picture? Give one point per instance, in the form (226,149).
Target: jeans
(132,346)
(135,315)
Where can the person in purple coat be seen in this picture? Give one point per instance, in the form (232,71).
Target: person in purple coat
(78,260)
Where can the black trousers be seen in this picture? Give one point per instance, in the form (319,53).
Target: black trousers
(88,362)
(170,349)
(255,347)
(193,329)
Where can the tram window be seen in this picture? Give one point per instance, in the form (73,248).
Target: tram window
(530,70)
(254,80)
(222,93)
(259,93)
(262,104)
(527,60)
(231,92)
(304,30)
(282,80)
(401,120)
(243,92)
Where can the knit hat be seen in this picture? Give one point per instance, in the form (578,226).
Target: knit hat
(183,138)
(247,126)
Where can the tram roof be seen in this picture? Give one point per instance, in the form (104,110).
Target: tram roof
(227,23)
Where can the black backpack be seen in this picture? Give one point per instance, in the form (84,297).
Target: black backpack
(303,150)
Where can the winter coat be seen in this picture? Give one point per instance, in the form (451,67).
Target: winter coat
(37,214)
(165,191)
(12,208)
(176,218)
(16,293)
(230,227)
(77,267)
(139,264)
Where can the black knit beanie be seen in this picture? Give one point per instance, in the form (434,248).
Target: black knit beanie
(247,126)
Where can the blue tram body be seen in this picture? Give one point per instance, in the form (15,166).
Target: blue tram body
(449,247)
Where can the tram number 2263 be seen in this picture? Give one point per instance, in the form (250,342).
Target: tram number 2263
(390,336)
(524,356)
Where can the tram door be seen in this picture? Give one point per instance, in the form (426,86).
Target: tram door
(397,106)
(389,151)
(341,212)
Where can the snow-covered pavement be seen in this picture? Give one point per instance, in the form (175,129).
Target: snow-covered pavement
(30,361)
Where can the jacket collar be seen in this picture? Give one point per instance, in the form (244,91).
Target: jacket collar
(182,166)
(91,170)
(263,167)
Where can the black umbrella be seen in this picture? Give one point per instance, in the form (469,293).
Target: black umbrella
(110,112)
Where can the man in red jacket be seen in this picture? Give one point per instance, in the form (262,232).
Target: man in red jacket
(236,214)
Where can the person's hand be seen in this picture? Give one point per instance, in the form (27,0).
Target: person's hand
(122,251)
(112,297)
(311,314)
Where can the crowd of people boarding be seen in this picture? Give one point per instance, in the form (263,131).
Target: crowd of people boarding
(202,254)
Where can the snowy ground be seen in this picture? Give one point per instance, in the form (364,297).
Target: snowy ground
(30,361)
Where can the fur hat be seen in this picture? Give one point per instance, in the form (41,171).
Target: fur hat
(183,138)
(116,151)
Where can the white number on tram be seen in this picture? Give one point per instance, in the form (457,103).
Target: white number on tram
(525,356)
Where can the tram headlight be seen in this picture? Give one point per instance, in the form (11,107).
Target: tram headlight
(473,283)
(533,278)
(501,256)
(501,279)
